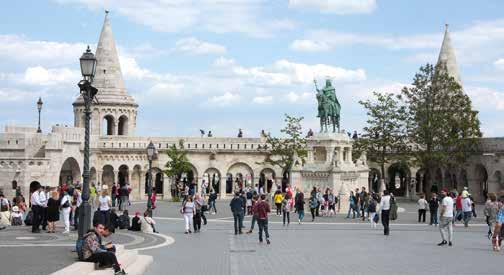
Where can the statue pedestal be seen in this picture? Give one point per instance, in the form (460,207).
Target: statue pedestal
(329,164)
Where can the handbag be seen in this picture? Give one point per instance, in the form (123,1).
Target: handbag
(376,218)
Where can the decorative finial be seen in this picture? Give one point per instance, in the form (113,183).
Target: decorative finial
(107,12)
(446,26)
(88,50)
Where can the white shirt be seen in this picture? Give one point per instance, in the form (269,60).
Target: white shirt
(422,204)
(35,198)
(385,203)
(66,198)
(79,199)
(104,203)
(466,205)
(447,202)
(43,199)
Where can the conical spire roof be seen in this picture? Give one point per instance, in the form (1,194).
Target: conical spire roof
(447,57)
(108,77)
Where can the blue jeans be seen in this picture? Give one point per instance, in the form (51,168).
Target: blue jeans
(300,215)
(433,217)
(238,221)
(263,226)
(467,218)
(212,206)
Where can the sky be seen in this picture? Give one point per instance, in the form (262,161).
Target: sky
(221,65)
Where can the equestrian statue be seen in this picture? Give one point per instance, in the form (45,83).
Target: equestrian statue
(328,107)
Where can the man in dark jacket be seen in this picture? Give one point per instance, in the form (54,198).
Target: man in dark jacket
(261,210)
(433,209)
(237,207)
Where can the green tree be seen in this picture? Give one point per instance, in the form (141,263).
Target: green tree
(383,139)
(285,151)
(178,163)
(441,122)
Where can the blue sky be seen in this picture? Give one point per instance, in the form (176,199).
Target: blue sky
(221,65)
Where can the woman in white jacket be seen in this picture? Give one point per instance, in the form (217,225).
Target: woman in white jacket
(65,210)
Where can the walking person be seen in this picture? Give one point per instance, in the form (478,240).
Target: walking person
(313,207)
(299,205)
(499,223)
(446,218)
(491,209)
(262,209)
(198,206)
(65,210)
(114,192)
(237,207)
(53,211)
(286,208)
(36,206)
(364,203)
(467,208)
(373,203)
(385,212)
(44,196)
(188,210)
(211,202)
(433,209)
(352,200)
(278,198)
(422,208)
(255,199)
(104,207)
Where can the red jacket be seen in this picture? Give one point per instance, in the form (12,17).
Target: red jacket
(261,210)
(458,202)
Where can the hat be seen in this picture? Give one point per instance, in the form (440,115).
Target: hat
(445,190)
(15,209)
(137,213)
(105,187)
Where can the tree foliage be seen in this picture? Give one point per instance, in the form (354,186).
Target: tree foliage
(384,137)
(284,151)
(178,163)
(440,120)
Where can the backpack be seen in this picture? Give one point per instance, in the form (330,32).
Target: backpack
(79,248)
(29,218)
(249,195)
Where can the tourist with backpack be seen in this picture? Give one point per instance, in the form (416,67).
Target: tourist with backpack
(299,205)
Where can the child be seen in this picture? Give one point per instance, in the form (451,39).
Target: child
(17,216)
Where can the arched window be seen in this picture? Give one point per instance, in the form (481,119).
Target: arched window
(122,129)
(108,125)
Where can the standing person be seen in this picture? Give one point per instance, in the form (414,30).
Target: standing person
(373,203)
(114,194)
(467,208)
(65,209)
(36,206)
(53,213)
(198,205)
(104,203)
(313,203)
(446,218)
(211,202)
(237,207)
(299,205)
(262,209)
(320,201)
(491,209)
(250,195)
(44,196)
(433,209)
(385,212)
(188,210)
(422,208)
(286,208)
(123,195)
(76,203)
(458,207)
(499,223)
(353,205)
(255,199)
(92,196)
(332,203)
(5,211)
(363,199)
(278,198)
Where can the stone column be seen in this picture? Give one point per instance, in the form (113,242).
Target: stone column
(99,176)
(167,182)
(349,155)
(341,150)
(116,176)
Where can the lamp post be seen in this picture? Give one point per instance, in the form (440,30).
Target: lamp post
(151,151)
(39,107)
(88,92)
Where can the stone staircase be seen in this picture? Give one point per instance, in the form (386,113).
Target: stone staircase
(132,262)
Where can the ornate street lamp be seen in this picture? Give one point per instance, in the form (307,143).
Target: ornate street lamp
(88,92)
(39,107)
(151,152)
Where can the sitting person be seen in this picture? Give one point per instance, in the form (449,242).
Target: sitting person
(94,251)
(136,223)
(148,224)
(124,220)
(16,216)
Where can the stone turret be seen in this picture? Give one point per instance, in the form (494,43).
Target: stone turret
(115,111)
(447,57)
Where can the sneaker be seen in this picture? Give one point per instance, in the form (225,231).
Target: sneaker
(442,243)
(250,231)
(450,244)
(120,272)
(187,232)
(268,241)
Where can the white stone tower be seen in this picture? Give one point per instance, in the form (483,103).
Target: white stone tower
(115,111)
(447,57)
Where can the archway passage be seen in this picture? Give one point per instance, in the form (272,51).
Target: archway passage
(108,177)
(123,175)
(374,180)
(241,175)
(157,181)
(479,190)
(399,178)
(212,177)
(122,129)
(92,176)
(70,172)
(108,125)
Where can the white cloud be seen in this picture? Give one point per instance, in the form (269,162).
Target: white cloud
(224,62)
(223,100)
(131,69)
(294,97)
(336,6)
(263,99)
(305,45)
(499,63)
(47,77)
(218,16)
(195,46)
(486,99)
(13,95)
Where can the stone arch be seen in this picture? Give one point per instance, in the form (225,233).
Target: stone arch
(70,172)
(108,125)
(157,181)
(123,175)
(374,180)
(108,177)
(241,175)
(213,177)
(480,187)
(122,126)
(267,177)
(399,178)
